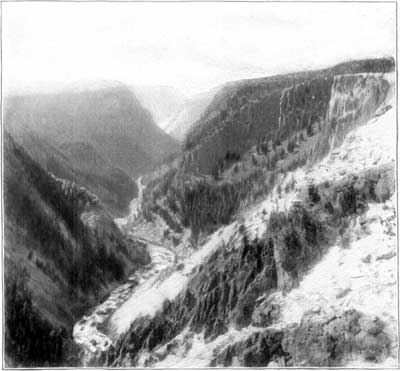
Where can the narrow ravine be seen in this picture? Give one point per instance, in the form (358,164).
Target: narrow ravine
(92,333)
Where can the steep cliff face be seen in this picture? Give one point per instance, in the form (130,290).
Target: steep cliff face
(353,99)
(303,105)
(62,253)
(244,111)
(321,340)
(356,98)
(313,115)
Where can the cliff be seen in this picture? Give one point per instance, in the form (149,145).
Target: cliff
(243,111)
(276,285)
(353,99)
(304,105)
(312,117)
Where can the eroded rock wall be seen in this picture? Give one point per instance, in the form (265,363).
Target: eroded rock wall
(354,99)
(303,105)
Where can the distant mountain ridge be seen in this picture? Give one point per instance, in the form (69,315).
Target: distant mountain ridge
(162,102)
(90,134)
(181,123)
(173,112)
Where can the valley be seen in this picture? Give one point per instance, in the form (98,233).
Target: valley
(268,239)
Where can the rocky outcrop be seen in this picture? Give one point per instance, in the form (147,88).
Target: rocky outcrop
(258,350)
(320,340)
(385,186)
(224,289)
(298,238)
(330,339)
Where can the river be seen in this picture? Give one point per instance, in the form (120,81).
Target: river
(92,332)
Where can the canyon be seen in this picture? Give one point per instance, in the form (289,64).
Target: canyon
(268,240)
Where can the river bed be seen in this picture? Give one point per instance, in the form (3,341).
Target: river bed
(92,332)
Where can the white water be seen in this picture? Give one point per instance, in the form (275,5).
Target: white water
(91,332)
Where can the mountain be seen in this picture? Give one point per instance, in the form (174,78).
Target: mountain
(79,162)
(100,137)
(172,111)
(163,102)
(62,253)
(295,265)
(217,169)
(179,124)
(244,111)
(270,240)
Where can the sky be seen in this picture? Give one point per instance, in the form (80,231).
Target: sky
(190,46)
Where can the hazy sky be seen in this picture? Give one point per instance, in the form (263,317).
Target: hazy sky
(191,46)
